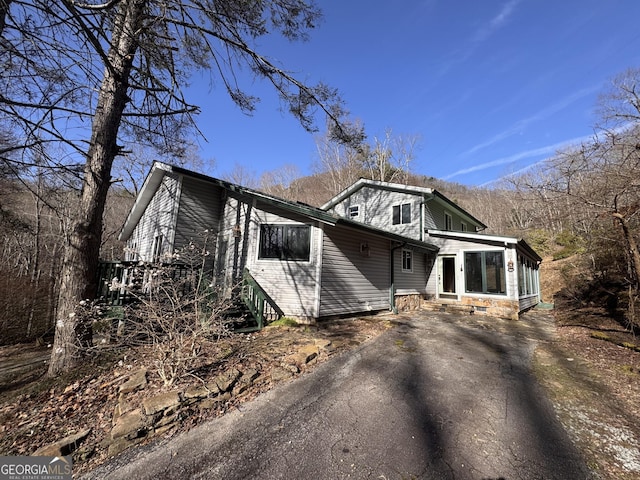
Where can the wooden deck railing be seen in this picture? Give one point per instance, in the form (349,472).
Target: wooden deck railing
(261,306)
(259,303)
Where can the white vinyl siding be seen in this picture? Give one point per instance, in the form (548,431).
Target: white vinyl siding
(199,214)
(413,281)
(290,283)
(158,220)
(353,281)
(444,219)
(458,247)
(376,209)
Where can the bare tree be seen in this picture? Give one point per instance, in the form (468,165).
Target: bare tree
(115,69)
(387,159)
(594,189)
(390,158)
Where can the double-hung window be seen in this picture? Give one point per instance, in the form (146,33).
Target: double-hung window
(484,272)
(156,250)
(407,261)
(285,242)
(448,222)
(401,214)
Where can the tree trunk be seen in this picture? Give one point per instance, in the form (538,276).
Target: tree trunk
(4,9)
(632,245)
(79,268)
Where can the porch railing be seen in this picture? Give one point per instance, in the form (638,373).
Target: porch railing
(260,304)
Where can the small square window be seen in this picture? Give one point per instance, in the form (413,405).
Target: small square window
(354,211)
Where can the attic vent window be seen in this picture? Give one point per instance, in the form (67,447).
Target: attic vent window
(401,214)
(354,211)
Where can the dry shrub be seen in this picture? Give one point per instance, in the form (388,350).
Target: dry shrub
(178,308)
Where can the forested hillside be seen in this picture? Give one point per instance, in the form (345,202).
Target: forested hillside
(581,204)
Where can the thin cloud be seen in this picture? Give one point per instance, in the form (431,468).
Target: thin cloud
(496,22)
(541,115)
(482,34)
(537,152)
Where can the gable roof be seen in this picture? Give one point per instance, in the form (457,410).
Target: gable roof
(428,193)
(263,201)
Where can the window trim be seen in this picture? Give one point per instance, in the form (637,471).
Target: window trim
(409,256)
(156,249)
(448,221)
(402,209)
(483,273)
(350,213)
(283,257)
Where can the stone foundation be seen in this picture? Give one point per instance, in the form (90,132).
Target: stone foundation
(477,306)
(406,303)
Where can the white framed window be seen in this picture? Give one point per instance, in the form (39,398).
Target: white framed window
(401,214)
(485,272)
(157,248)
(463,227)
(407,261)
(354,211)
(448,221)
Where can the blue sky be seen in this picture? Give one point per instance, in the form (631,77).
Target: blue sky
(489,86)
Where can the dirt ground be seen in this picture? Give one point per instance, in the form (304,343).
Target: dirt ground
(591,373)
(591,379)
(35,411)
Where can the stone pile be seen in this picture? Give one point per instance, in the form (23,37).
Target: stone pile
(134,422)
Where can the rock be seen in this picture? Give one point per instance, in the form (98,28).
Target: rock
(213,389)
(323,344)
(121,444)
(246,380)
(62,447)
(227,379)
(213,401)
(161,402)
(278,374)
(131,425)
(167,420)
(303,356)
(198,391)
(249,375)
(121,407)
(137,380)
(164,429)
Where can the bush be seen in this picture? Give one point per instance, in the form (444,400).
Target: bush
(540,240)
(179,308)
(572,245)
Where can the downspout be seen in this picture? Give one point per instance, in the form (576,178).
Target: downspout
(392,287)
(422,207)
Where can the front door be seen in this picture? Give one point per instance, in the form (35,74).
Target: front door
(447,276)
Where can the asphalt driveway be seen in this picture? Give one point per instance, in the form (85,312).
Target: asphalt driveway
(440,396)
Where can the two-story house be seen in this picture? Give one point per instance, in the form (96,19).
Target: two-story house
(376,246)
(485,273)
